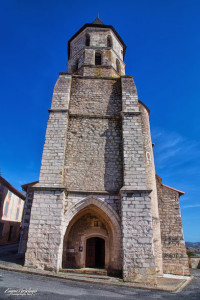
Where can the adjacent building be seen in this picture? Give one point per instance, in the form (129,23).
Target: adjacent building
(98,202)
(11,211)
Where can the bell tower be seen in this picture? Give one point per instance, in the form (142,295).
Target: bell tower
(96,50)
(97,200)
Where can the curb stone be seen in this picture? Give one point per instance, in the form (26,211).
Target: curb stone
(108,282)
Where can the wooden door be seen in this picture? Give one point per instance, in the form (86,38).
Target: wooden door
(90,253)
(95,253)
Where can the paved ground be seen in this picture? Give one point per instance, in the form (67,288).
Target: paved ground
(52,288)
(18,285)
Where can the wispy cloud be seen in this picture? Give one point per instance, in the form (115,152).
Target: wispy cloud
(173,150)
(190,206)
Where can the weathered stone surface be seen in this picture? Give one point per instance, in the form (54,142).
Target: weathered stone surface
(151,184)
(138,258)
(44,248)
(97,178)
(82,57)
(175,259)
(91,96)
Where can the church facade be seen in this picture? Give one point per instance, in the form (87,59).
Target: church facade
(98,203)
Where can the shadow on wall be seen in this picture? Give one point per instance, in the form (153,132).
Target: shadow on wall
(113,176)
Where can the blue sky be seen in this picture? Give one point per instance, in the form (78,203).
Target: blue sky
(163,43)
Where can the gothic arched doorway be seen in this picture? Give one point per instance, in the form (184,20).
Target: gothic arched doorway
(93,225)
(95,253)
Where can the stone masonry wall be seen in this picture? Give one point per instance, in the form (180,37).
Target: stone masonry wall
(51,172)
(93,153)
(151,184)
(95,96)
(44,247)
(138,258)
(85,55)
(98,38)
(175,260)
(138,252)
(98,71)
(74,198)
(45,237)
(133,152)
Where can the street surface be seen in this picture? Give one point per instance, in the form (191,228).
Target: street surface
(42,288)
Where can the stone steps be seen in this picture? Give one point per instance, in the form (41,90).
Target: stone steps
(87,271)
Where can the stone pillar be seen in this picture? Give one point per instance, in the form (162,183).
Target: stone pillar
(138,256)
(44,248)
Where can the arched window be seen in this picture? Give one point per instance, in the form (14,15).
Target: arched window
(97,59)
(109,41)
(87,40)
(118,67)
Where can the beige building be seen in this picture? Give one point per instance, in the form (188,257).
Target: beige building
(11,210)
(98,202)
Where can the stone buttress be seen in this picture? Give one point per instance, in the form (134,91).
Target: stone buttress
(138,250)
(44,247)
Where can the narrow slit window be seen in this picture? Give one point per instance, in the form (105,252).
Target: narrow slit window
(109,41)
(118,67)
(87,41)
(77,65)
(97,59)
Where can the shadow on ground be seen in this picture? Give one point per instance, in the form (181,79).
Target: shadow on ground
(9,254)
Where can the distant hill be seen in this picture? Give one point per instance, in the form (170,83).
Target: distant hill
(195,245)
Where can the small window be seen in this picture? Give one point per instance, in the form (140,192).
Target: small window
(118,67)
(19,200)
(87,40)
(17,214)
(97,59)
(109,41)
(6,209)
(9,195)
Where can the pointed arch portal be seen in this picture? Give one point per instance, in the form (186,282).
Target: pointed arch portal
(92,237)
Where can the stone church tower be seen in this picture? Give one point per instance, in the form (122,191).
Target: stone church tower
(98,202)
